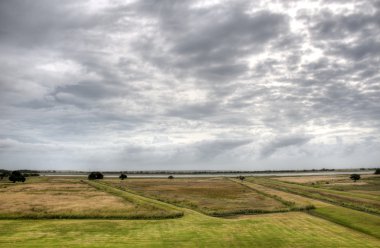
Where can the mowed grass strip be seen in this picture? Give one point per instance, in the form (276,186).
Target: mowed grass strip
(292,229)
(360,221)
(354,219)
(368,187)
(346,199)
(212,196)
(294,202)
(58,198)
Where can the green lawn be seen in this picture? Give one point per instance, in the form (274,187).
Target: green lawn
(292,229)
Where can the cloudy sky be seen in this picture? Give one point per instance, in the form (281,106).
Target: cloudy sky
(238,85)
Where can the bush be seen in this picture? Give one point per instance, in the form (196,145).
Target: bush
(377,172)
(170,177)
(123,176)
(16,176)
(355,177)
(241,178)
(95,175)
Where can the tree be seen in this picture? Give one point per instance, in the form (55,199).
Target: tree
(4,173)
(355,177)
(95,175)
(241,178)
(170,177)
(16,176)
(377,172)
(123,176)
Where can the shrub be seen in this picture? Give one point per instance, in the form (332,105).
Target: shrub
(170,177)
(123,176)
(377,172)
(95,175)
(355,177)
(16,176)
(241,178)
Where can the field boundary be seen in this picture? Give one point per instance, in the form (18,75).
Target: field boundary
(340,221)
(291,205)
(277,185)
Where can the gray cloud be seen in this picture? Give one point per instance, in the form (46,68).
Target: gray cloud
(283,142)
(189,84)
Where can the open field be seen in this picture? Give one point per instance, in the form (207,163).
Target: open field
(360,201)
(358,220)
(213,196)
(326,226)
(292,229)
(68,198)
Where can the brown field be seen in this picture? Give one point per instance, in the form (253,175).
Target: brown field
(331,179)
(217,196)
(309,179)
(61,198)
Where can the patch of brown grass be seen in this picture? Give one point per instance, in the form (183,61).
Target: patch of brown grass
(209,195)
(64,198)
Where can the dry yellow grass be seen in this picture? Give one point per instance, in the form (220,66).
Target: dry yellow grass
(64,198)
(212,195)
(308,179)
(338,179)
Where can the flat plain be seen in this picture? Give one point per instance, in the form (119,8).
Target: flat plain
(68,198)
(213,196)
(187,225)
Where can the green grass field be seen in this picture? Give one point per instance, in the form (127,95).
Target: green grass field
(326,226)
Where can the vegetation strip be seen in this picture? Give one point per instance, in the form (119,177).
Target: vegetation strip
(350,218)
(291,205)
(324,195)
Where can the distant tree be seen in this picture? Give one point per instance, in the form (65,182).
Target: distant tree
(355,177)
(4,173)
(16,176)
(170,177)
(123,176)
(377,172)
(241,178)
(95,175)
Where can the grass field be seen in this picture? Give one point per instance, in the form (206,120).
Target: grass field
(213,196)
(358,220)
(350,198)
(68,198)
(292,229)
(326,226)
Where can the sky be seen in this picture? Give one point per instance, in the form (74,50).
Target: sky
(189,85)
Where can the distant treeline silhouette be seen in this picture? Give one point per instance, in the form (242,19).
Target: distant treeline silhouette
(179,172)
